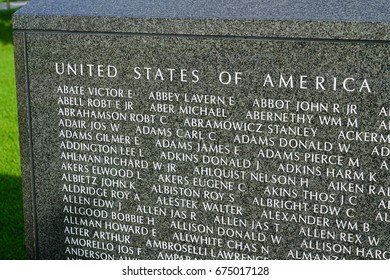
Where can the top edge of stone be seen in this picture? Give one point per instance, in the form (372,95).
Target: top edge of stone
(297,10)
(213,17)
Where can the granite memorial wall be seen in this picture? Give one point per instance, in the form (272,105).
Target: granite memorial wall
(171,131)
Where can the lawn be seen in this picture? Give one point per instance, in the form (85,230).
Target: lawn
(11,217)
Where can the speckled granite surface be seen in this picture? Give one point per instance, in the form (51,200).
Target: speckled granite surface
(300,19)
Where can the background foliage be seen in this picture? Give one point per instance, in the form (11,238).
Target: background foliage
(11,214)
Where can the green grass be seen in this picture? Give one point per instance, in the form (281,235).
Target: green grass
(11,214)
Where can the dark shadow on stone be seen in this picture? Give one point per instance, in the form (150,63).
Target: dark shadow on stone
(11,218)
(6,26)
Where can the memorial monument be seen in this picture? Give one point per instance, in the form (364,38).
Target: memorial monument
(204,129)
